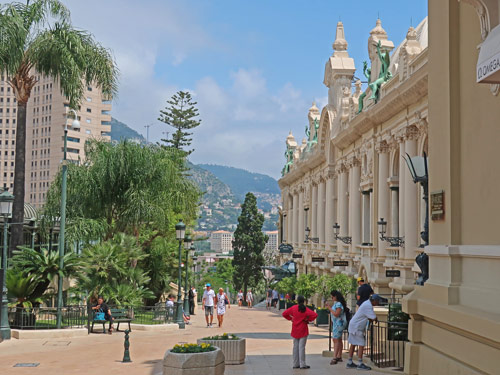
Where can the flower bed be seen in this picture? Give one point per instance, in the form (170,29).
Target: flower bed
(233,347)
(193,348)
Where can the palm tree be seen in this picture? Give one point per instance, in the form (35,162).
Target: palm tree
(37,38)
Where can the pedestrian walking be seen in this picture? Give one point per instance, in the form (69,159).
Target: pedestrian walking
(207,304)
(221,301)
(269,298)
(338,311)
(239,297)
(249,298)
(275,299)
(357,329)
(300,315)
(191,296)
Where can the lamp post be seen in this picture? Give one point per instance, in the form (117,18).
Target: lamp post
(180,230)
(74,125)
(308,231)
(187,246)
(394,241)
(420,174)
(6,200)
(336,230)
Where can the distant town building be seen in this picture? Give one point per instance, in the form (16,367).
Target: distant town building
(272,243)
(221,241)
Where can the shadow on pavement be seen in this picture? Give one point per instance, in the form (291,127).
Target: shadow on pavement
(274,335)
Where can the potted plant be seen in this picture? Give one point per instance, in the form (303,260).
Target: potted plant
(194,359)
(20,289)
(233,347)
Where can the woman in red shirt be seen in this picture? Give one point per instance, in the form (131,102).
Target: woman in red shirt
(300,316)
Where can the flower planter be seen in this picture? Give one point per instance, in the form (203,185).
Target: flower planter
(208,363)
(290,304)
(322,316)
(282,304)
(234,350)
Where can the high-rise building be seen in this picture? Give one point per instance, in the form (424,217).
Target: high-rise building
(45,120)
(272,242)
(221,241)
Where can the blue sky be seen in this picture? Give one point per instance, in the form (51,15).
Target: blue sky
(253,66)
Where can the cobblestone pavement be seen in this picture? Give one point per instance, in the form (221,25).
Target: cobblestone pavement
(269,349)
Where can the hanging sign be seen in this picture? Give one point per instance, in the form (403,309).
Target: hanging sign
(318,259)
(340,263)
(297,256)
(285,248)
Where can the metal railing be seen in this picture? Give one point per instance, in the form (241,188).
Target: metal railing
(46,317)
(385,343)
(152,315)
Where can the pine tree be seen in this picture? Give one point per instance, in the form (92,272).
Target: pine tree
(181,116)
(248,245)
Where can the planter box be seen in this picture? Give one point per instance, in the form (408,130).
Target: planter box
(322,316)
(282,304)
(234,350)
(290,304)
(209,363)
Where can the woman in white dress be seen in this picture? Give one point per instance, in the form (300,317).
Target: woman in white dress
(249,298)
(222,301)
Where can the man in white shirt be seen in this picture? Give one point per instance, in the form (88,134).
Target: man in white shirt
(207,304)
(357,328)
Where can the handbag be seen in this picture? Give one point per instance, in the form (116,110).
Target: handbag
(99,315)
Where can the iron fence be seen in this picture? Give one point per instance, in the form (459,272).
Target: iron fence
(46,317)
(385,343)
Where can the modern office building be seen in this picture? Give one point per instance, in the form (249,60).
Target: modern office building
(272,242)
(46,116)
(221,241)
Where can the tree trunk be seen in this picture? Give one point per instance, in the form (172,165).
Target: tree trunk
(16,231)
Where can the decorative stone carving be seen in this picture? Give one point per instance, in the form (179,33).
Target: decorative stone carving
(482,13)
(411,132)
(344,109)
(382,147)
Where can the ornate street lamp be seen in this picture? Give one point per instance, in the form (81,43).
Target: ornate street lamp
(180,231)
(394,241)
(75,125)
(420,174)
(187,246)
(6,200)
(336,230)
(308,231)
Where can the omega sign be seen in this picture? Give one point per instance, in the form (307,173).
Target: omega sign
(488,67)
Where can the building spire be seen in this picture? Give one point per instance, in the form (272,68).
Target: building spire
(340,43)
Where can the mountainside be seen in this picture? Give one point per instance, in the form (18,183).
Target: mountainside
(119,130)
(242,181)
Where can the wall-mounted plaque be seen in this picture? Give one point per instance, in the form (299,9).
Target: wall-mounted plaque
(318,259)
(297,256)
(437,205)
(392,273)
(340,263)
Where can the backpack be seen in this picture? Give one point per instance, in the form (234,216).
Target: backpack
(348,316)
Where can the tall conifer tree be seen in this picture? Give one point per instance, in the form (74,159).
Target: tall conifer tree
(181,115)
(248,245)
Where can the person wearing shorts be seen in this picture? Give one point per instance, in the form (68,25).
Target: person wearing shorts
(240,298)
(207,304)
(357,328)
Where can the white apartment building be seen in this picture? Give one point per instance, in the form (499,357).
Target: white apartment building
(272,243)
(221,241)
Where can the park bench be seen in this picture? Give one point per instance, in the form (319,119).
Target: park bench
(119,315)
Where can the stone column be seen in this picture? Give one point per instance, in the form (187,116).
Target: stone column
(355,205)
(314,212)
(329,211)
(410,199)
(366,217)
(343,207)
(321,212)
(295,218)
(394,211)
(383,194)
(301,218)
(402,173)
(289,232)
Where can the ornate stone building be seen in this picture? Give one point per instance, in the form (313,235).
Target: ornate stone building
(349,169)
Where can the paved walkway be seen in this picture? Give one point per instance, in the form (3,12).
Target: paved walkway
(269,349)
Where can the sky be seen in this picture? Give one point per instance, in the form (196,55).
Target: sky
(254,67)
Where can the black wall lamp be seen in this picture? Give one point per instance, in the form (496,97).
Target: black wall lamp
(308,231)
(394,241)
(336,230)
